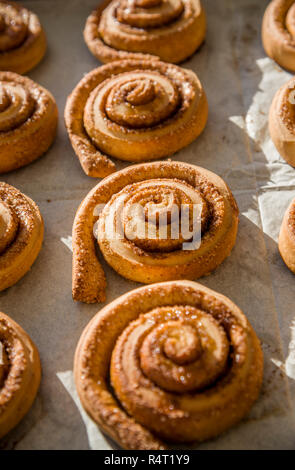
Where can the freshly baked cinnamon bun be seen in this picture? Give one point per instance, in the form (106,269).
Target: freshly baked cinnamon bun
(22,39)
(287,237)
(153,192)
(21,235)
(28,121)
(278,32)
(134,110)
(20,373)
(282,121)
(183,362)
(172,30)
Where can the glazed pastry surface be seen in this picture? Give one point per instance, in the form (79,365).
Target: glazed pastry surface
(28,121)
(183,362)
(22,39)
(20,373)
(282,121)
(172,30)
(158,187)
(134,111)
(21,234)
(287,237)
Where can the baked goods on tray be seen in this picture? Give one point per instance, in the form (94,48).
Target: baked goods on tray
(170,362)
(130,29)
(110,215)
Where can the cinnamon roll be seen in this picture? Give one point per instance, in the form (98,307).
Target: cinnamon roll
(142,197)
(183,362)
(172,30)
(282,121)
(21,234)
(22,39)
(134,110)
(28,121)
(278,32)
(20,373)
(287,237)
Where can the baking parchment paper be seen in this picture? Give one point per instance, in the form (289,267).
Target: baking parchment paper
(240,83)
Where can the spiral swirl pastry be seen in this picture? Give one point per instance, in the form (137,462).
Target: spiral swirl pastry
(21,235)
(278,32)
(28,121)
(134,110)
(282,121)
(20,373)
(22,39)
(287,237)
(183,362)
(171,30)
(157,188)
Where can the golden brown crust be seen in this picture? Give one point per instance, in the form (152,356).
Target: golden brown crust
(21,234)
(282,121)
(28,121)
(22,39)
(140,262)
(20,373)
(287,237)
(278,32)
(135,111)
(164,334)
(171,30)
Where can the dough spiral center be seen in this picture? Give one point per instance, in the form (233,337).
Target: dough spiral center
(148,13)
(16,105)
(179,349)
(140,92)
(182,344)
(13,27)
(139,99)
(155,215)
